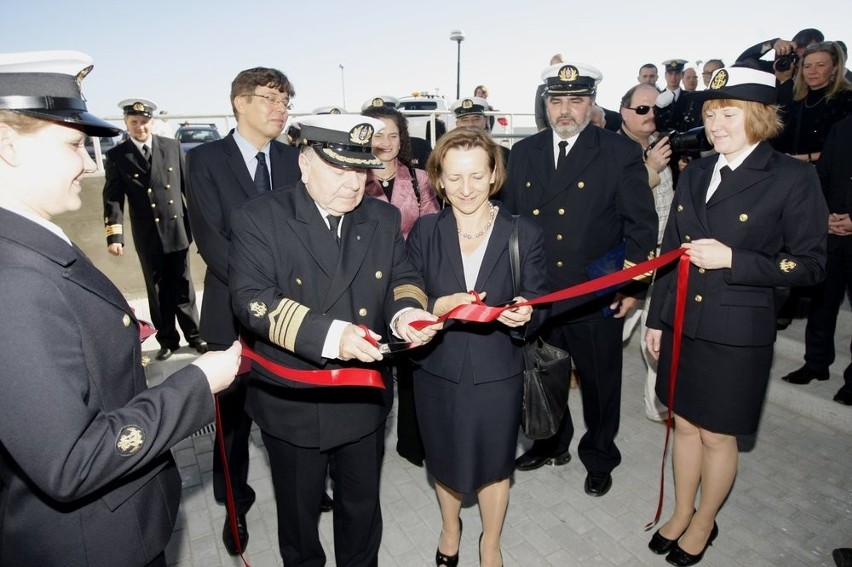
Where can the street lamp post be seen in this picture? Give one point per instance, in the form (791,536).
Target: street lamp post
(343,84)
(458,37)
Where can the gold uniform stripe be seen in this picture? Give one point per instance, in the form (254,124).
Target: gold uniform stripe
(412,292)
(644,278)
(113,229)
(285,321)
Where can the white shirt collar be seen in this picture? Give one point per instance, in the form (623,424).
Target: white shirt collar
(556,148)
(249,152)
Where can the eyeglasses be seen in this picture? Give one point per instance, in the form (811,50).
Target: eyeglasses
(640,110)
(274,101)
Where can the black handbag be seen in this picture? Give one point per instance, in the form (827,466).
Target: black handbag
(547,369)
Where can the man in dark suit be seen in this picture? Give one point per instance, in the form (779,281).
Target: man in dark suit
(147,171)
(470,111)
(835,172)
(588,188)
(314,273)
(221,176)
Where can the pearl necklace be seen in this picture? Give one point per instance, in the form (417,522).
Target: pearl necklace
(484,230)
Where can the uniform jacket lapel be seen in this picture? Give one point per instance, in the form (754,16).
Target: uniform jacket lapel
(356,235)
(449,235)
(751,171)
(134,157)
(310,228)
(699,193)
(584,151)
(237,165)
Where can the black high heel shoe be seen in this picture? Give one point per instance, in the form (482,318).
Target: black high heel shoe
(442,559)
(680,558)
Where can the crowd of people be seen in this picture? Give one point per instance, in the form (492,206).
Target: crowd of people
(337,262)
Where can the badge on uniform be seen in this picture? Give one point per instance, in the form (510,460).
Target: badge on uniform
(130,440)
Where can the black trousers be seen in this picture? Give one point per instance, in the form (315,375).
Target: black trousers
(236,425)
(298,475)
(825,305)
(171,296)
(596,350)
(409,443)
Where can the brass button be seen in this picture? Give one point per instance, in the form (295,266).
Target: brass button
(379,275)
(679,208)
(298,281)
(580,185)
(125,320)
(171,201)
(528,183)
(169,168)
(174,217)
(558,237)
(561,211)
(535,212)
(150,191)
(559,264)
(153,205)
(168,186)
(743,217)
(687,238)
(157,219)
(701,270)
(362,312)
(698,299)
(135,176)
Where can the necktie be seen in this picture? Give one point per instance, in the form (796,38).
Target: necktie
(333,223)
(724,172)
(563,154)
(261,174)
(146,152)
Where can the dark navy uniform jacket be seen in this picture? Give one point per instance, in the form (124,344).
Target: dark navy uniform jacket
(289,281)
(86,476)
(154,193)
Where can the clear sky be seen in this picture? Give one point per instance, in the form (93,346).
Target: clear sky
(183,54)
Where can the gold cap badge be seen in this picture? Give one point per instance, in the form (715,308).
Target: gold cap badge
(568,74)
(720,80)
(361,134)
(467,103)
(378,101)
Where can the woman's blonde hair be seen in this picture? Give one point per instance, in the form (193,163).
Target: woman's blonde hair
(23,123)
(762,121)
(837,82)
(465,139)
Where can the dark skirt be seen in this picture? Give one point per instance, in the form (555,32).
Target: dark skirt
(469,430)
(720,388)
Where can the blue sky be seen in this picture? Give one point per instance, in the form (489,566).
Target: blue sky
(184,53)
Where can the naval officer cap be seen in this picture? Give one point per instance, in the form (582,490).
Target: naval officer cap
(571,79)
(740,83)
(388,101)
(138,107)
(674,65)
(47,85)
(340,139)
(329,110)
(469,106)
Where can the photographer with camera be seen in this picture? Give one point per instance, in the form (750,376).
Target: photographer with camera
(787,55)
(638,123)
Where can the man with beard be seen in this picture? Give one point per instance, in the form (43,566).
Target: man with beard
(588,188)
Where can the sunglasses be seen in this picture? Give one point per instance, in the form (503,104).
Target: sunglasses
(640,110)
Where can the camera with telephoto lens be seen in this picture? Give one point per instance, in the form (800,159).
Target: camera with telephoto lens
(687,144)
(785,62)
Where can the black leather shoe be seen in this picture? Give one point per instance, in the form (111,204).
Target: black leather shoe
(842,557)
(534,459)
(598,483)
(164,354)
(660,544)
(443,560)
(327,504)
(242,531)
(804,375)
(680,558)
(844,396)
(199,346)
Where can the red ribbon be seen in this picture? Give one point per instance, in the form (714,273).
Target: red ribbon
(333,377)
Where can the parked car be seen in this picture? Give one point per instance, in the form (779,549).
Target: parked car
(191,135)
(105,143)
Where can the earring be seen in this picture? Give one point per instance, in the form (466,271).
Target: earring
(831,78)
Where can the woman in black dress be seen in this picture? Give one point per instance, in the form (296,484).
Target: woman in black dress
(751,219)
(468,381)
